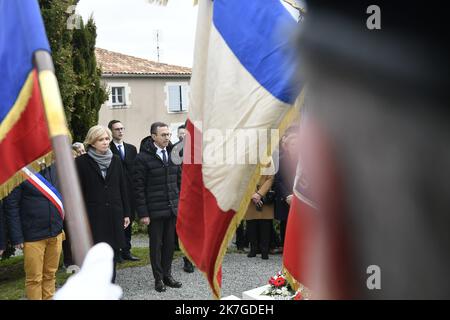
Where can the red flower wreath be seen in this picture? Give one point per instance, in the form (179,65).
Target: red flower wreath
(278,282)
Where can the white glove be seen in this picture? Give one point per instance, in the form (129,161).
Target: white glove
(93,281)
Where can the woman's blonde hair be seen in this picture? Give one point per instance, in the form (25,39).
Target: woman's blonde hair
(95,133)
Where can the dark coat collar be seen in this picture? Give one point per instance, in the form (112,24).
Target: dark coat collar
(96,168)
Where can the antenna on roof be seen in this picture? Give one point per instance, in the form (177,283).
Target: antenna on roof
(158,39)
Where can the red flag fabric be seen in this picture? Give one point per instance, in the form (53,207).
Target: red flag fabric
(27,140)
(316,247)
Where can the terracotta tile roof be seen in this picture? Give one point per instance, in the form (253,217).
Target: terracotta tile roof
(116,63)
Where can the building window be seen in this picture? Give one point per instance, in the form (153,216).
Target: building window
(118,96)
(177,97)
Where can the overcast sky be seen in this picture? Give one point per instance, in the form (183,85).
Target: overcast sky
(129,27)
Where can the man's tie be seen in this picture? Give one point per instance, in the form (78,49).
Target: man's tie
(164,156)
(122,155)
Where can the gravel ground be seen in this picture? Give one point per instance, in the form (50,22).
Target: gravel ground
(239,274)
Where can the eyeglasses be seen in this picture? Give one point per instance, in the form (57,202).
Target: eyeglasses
(119,129)
(166,135)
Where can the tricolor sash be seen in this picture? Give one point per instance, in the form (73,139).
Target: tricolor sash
(46,188)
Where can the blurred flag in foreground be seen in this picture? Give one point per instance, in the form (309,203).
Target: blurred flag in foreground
(24,134)
(302,218)
(242,87)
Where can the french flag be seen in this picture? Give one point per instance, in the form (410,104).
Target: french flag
(24,135)
(242,79)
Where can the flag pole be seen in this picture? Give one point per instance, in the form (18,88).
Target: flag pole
(75,212)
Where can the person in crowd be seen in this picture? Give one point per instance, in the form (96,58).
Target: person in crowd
(156,182)
(35,225)
(78,149)
(284,178)
(259,218)
(181,133)
(104,188)
(127,153)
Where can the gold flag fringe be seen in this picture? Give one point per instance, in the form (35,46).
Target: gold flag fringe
(18,108)
(18,177)
(297,286)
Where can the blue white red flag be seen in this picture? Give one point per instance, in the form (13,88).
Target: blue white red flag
(242,82)
(24,135)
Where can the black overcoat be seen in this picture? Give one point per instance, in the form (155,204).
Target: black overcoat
(128,167)
(106,199)
(156,185)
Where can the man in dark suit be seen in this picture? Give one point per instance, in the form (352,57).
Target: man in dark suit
(127,152)
(156,182)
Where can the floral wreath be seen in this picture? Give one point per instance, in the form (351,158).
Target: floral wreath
(279,286)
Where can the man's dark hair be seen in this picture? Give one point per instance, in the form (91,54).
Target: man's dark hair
(154,127)
(112,122)
(181,127)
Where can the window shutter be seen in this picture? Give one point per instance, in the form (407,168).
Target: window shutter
(174,98)
(185,97)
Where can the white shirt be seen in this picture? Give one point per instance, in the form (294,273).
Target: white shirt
(123,147)
(159,152)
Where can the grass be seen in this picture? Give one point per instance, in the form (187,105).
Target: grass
(12,278)
(12,274)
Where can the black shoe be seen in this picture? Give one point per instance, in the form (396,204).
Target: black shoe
(128,256)
(264,256)
(251,254)
(159,286)
(171,282)
(188,267)
(119,259)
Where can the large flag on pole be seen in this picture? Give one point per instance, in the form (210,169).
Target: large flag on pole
(24,135)
(242,84)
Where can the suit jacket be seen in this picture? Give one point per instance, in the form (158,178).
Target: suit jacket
(128,168)
(106,199)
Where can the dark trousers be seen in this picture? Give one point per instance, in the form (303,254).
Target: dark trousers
(162,246)
(274,238)
(116,253)
(258,233)
(127,248)
(282,230)
(67,249)
(241,239)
